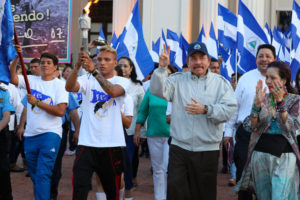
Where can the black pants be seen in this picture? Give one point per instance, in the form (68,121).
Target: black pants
(16,147)
(5,185)
(56,175)
(72,144)
(192,175)
(106,162)
(240,158)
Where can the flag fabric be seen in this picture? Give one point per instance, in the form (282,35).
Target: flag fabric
(7,50)
(278,43)
(133,45)
(201,37)
(101,34)
(268,33)
(227,67)
(249,36)
(173,42)
(295,25)
(114,40)
(183,44)
(163,38)
(211,43)
(227,27)
(155,50)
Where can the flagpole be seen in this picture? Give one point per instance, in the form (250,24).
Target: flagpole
(22,62)
(236,63)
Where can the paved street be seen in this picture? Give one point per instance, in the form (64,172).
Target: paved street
(22,186)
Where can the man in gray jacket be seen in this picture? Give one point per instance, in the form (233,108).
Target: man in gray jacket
(202,101)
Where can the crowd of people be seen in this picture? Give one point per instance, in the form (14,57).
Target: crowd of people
(186,118)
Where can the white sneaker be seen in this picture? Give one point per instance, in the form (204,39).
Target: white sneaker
(68,152)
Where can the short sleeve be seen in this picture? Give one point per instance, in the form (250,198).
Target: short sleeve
(73,103)
(7,106)
(21,83)
(83,84)
(24,101)
(62,95)
(128,106)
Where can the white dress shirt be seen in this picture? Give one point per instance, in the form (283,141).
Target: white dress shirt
(245,93)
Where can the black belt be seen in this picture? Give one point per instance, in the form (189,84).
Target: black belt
(273,144)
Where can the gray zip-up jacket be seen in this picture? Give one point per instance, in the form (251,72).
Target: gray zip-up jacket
(202,132)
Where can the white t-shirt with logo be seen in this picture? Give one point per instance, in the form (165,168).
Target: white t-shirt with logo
(101,123)
(51,92)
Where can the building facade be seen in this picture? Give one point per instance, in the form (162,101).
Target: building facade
(181,16)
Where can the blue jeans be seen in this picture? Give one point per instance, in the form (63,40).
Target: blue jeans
(40,153)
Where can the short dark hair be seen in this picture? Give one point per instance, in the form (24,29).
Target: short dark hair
(267,46)
(51,56)
(185,66)
(35,60)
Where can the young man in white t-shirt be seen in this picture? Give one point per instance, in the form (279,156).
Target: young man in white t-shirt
(101,132)
(46,105)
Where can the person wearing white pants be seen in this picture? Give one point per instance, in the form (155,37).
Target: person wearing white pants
(159,154)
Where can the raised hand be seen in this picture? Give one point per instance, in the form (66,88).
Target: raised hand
(164,57)
(260,94)
(277,90)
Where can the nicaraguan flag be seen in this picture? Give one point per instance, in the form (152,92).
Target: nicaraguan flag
(183,44)
(278,43)
(212,44)
(155,50)
(229,61)
(268,33)
(7,50)
(132,44)
(227,27)
(101,34)
(201,37)
(295,25)
(114,40)
(173,42)
(164,40)
(249,36)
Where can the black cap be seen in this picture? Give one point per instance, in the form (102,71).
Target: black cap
(197,47)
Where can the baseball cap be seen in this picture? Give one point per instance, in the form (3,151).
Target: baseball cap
(197,47)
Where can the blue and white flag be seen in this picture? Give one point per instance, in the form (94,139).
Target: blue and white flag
(249,36)
(278,43)
(101,34)
(268,33)
(183,44)
(227,27)
(295,26)
(114,40)
(201,37)
(155,50)
(228,65)
(7,50)
(212,44)
(173,42)
(133,45)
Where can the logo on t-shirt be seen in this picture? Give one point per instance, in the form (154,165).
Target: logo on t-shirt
(102,103)
(42,97)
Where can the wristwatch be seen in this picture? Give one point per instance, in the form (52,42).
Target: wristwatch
(95,73)
(205,109)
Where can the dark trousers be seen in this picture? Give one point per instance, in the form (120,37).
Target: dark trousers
(192,175)
(5,184)
(106,162)
(72,144)
(240,158)
(128,171)
(135,162)
(16,147)
(56,175)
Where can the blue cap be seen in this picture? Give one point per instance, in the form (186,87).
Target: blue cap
(197,47)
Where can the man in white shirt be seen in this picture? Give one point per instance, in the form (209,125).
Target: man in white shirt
(46,105)
(101,132)
(245,93)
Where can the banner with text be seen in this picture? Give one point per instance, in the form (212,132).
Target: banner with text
(43,26)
